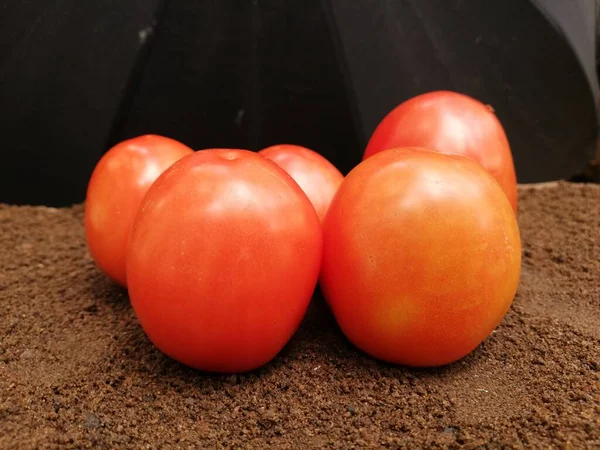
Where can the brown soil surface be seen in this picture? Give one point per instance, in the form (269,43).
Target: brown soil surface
(77,371)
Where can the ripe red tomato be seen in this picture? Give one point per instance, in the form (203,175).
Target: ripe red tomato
(317,177)
(116,188)
(223,260)
(450,122)
(421,256)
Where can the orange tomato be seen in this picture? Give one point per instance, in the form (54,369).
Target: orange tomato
(317,177)
(450,122)
(223,260)
(421,256)
(116,188)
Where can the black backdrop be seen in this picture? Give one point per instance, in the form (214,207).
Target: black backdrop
(77,77)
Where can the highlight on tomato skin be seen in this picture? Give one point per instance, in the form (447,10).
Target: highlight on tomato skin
(317,177)
(421,257)
(450,122)
(117,185)
(223,260)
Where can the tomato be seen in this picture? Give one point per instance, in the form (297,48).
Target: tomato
(116,187)
(450,122)
(223,260)
(421,256)
(317,177)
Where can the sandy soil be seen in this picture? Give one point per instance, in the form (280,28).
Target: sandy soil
(77,371)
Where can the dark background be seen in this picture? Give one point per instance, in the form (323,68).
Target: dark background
(77,77)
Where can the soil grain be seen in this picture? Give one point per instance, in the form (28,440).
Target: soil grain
(76,370)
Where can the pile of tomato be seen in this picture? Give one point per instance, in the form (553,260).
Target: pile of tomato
(417,249)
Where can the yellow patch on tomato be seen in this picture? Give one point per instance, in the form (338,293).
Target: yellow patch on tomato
(396,314)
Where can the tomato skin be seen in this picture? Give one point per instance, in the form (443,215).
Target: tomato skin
(317,177)
(223,260)
(116,188)
(421,256)
(450,122)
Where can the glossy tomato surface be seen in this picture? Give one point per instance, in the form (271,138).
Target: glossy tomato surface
(317,177)
(450,122)
(421,256)
(116,188)
(223,260)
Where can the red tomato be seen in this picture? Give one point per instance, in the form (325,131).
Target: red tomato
(117,186)
(317,177)
(421,256)
(450,122)
(223,260)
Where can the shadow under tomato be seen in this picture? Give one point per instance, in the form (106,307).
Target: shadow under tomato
(318,343)
(317,334)
(102,289)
